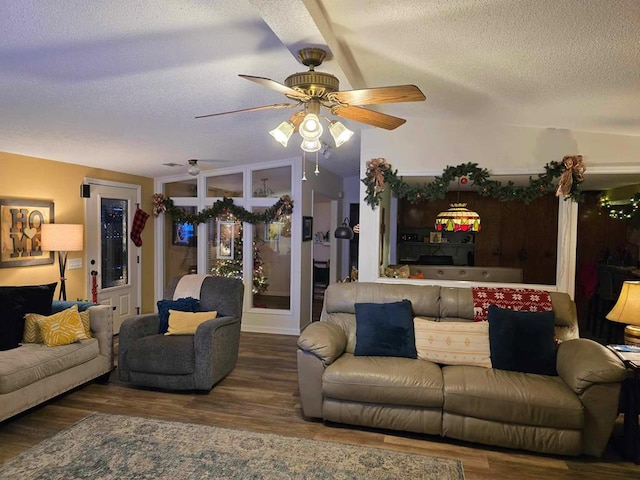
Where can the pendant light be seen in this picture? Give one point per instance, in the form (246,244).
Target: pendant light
(344,231)
(458,218)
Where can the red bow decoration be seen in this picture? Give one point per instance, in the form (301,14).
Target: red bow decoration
(158,204)
(376,168)
(574,171)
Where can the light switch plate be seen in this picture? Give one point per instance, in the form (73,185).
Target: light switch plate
(74,263)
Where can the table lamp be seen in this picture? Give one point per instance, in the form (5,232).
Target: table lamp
(627,310)
(61,238)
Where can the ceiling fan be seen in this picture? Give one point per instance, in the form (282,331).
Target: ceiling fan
(314,90)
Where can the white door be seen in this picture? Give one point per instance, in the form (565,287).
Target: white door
(112,258)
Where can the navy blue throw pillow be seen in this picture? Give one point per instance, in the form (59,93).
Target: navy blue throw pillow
(385,330)
(522,341)
(16,302)
(188,304)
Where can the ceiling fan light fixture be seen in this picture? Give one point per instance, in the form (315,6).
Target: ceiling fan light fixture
(193,168)
(339,132)
(310,145)
(282,133)
(311,128)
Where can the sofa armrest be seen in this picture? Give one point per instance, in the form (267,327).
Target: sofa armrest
(325,340)
(595,373)
(101,324)
(582,363)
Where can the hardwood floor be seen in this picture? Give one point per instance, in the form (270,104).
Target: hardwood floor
(261,395)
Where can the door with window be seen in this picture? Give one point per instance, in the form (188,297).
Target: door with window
(113,261)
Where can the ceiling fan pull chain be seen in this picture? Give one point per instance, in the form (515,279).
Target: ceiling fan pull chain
(316,171)
(304,166)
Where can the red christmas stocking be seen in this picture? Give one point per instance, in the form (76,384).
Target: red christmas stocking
(139,219)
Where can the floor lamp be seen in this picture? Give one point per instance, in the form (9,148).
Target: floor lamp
(61,238)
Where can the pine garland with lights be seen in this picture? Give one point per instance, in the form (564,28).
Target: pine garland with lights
(162,204)
(380,174)
(624,211)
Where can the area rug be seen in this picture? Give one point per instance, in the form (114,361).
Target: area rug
(105,447)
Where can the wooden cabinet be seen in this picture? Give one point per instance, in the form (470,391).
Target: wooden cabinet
(512,234)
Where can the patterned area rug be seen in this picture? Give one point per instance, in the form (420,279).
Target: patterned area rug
(102,447)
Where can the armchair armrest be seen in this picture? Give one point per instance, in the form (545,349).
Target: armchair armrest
(131,330)
(325,340)
(216,344)
(582,362)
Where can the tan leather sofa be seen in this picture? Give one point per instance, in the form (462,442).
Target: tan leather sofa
(569,414)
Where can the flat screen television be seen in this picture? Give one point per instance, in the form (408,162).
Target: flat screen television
(184,234)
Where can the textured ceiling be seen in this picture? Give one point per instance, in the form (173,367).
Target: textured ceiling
(117,83)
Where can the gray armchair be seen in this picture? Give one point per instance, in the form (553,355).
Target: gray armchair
(184,362)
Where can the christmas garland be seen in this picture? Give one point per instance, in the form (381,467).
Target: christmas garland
(570,171)
(162,204)
(624,211)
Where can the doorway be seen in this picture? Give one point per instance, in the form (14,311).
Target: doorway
(113,261)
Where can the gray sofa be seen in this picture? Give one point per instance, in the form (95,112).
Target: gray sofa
(570,414)
(33,373)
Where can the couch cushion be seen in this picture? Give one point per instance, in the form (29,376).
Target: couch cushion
(385,329)
(186,323)
(522,341)
(159,354)
(188,304)
(15,302)
(384,380)
(61,328)
(453,343)
(32,362)
(511,397)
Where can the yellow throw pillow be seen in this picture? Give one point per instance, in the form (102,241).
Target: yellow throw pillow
(85,318)
(62,328)
(186,323)
(32,331)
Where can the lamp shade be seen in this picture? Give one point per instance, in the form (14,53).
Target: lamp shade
(61,237)
(627,308)
(283,132)
(344,231)
(311,145)
(458,219)
(310,128)
(339,132)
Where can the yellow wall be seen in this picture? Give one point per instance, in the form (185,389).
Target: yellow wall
(36,178)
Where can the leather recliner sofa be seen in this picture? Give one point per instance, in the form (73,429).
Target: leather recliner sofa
(569,414)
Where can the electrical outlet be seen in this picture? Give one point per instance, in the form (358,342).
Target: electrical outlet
(74,263)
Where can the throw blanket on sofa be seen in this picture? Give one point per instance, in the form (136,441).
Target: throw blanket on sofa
(189,286)
(523,299)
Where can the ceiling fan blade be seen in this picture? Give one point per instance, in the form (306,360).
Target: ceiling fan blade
(278,87)
(364,115)
(252,109)
(371,96)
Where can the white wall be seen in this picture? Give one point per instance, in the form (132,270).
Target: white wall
(322,225)
(424,147)
(329,186)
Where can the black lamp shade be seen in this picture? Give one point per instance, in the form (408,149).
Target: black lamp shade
(343,232)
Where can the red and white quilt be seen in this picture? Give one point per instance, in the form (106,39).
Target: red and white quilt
(523,299)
